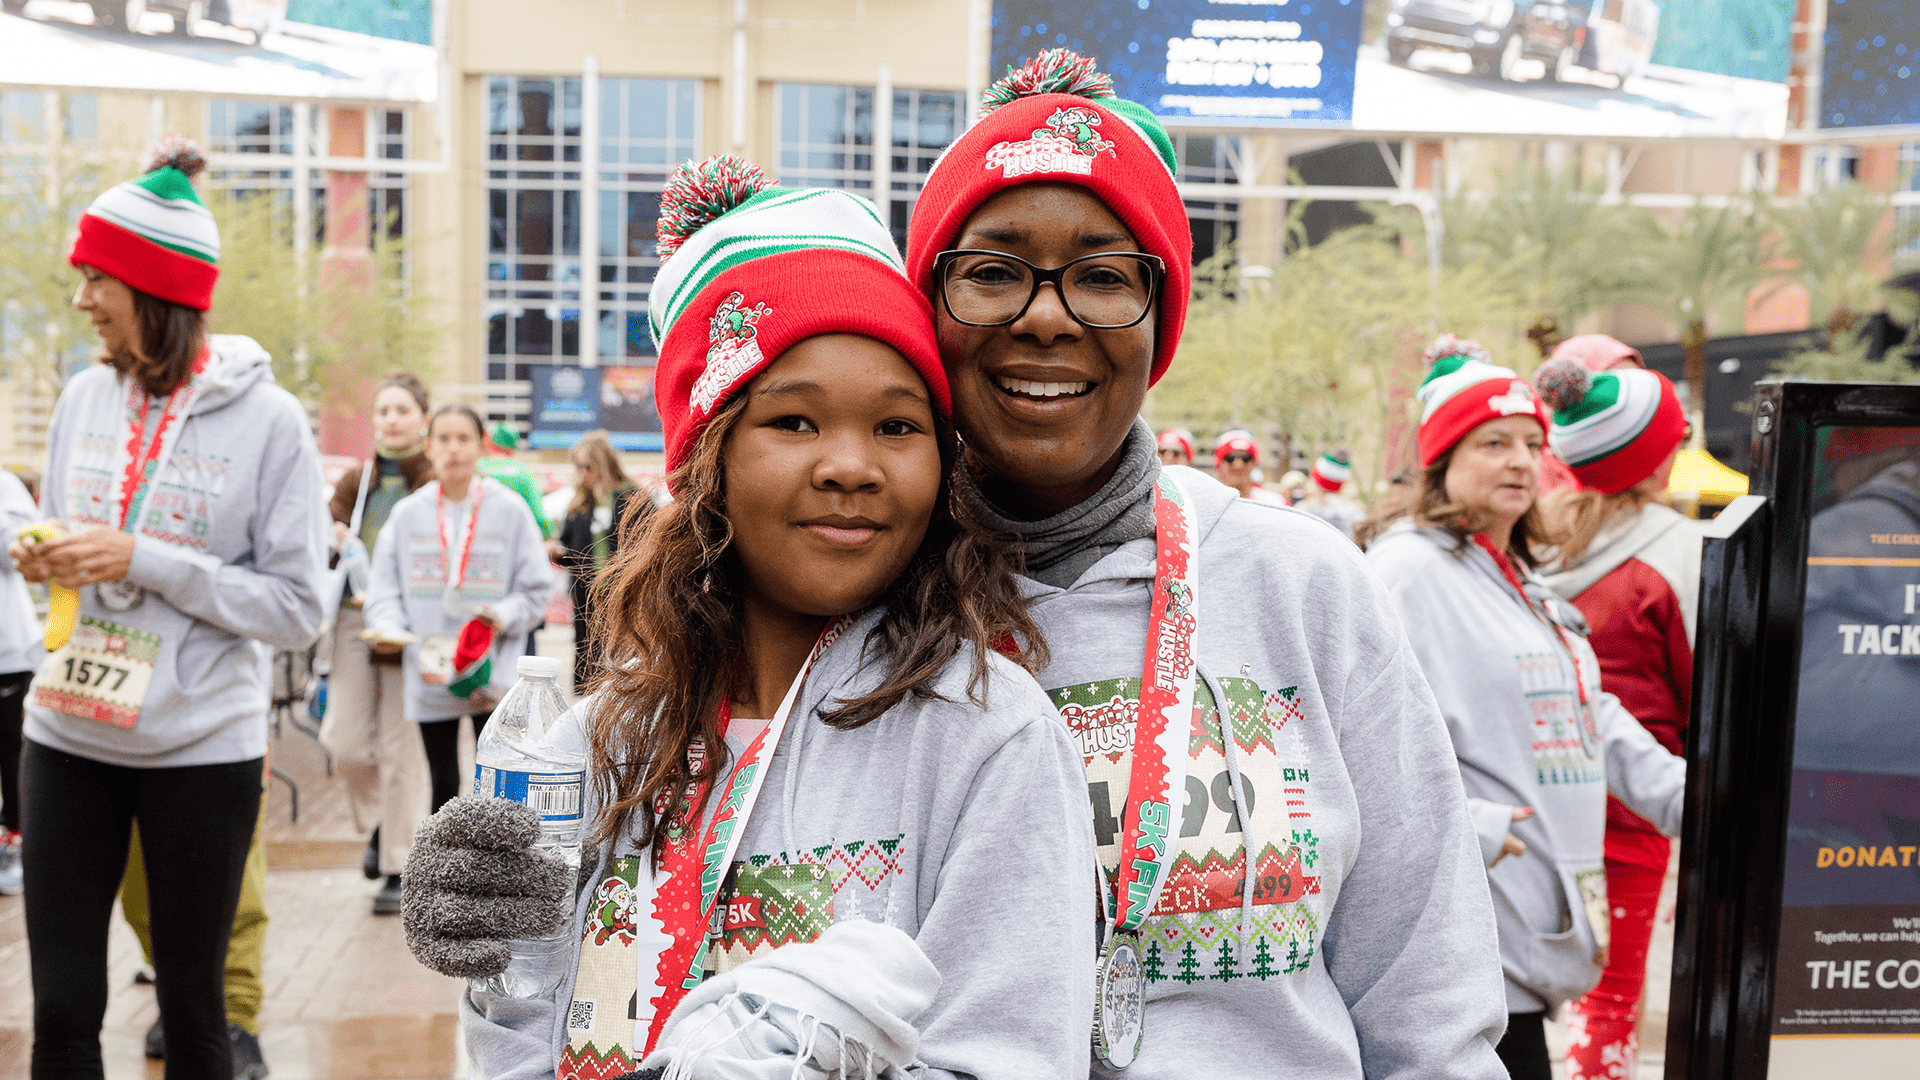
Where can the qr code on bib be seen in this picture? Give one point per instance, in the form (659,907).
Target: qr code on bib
(580,1016)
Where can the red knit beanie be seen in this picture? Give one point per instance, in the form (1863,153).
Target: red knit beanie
(1055,120)
(751,270)
(1465,389)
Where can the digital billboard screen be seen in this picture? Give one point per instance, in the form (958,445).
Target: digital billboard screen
(1598,68)
(1202,60)
(1870,73)
(361,50)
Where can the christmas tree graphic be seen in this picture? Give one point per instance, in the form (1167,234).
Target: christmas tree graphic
(1223,963)
(1189,966)
(1263,961)
(1155,972)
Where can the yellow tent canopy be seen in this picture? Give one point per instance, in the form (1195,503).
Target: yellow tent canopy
(1700,477)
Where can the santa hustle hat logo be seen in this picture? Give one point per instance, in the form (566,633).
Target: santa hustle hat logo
(732,349)
(1070,143)
(1517,401)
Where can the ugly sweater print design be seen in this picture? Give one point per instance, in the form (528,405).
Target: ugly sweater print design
(770,900)
(1560,754)
(1193,933)
(179,506)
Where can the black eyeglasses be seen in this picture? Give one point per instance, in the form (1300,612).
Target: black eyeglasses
(1238,459)
(1108,290)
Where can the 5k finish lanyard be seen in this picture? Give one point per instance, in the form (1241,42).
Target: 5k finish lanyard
(1159,769)
(682,964)
(457,572)
(145,461)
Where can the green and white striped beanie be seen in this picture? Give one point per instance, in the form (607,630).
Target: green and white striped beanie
(153,233)
(1612,428)
(752,269)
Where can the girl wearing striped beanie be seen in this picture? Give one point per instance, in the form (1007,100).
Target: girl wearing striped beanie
(1631,564)
(809,569)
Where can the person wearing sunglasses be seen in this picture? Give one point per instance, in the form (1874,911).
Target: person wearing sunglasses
(1176,446)
(1235,457)
(1289,874)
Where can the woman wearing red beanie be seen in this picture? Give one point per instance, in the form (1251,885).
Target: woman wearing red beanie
(1280,886)
(1631,564)
(1540,744)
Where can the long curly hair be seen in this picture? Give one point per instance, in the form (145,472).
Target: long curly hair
(672,614)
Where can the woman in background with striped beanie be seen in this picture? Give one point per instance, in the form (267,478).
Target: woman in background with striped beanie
(1631,564)
(190,495)
(1540,742)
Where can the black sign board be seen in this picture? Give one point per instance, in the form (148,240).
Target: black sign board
(1797,952)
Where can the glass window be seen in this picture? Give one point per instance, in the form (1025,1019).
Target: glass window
(534,267)
(1907,256)
(387,192)
(1208,159)
(265,127)
(825,139)
(82,119)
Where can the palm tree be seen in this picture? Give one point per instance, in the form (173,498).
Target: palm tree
(1837,249)
(1564,250)
(1700,266)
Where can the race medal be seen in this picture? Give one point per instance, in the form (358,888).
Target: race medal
(1119,1002)
(436,658)
(119,595)
(1157,772)
(101,673)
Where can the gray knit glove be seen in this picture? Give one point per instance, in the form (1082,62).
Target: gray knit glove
(474,883)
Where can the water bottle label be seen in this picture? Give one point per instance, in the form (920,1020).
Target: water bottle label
(554,796)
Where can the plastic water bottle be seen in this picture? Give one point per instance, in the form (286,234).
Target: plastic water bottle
(515,760)
(358,565)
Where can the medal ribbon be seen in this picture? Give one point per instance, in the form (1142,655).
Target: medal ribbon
(700,860)
(1513,578)
(144,461)
(1165,722)
(457,573)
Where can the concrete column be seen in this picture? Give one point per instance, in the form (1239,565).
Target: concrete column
(346,272)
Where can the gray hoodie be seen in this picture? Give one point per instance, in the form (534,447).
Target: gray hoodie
(1506,688)
(1369,950)
(230,553)
(964,828)
(507,572)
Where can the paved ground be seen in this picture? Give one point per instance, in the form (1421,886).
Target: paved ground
(344,998)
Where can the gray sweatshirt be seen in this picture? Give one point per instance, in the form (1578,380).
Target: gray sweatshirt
(230,552)
(963,828)
(507,571)
(1506,688)
(1370,947)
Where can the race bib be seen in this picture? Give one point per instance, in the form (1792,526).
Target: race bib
(101,673)
(436,659)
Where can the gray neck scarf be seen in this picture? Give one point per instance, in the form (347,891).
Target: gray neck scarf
(1058,549)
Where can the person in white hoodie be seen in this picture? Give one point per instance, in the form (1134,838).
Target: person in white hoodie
(459,578)
(1539,743)
(189,490)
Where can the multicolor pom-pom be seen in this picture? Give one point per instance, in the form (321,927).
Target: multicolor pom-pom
(1563,383)
(1053,71)
(698,192)
(1449,345)
(179,152)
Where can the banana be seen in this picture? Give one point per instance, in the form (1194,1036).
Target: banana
(63,604)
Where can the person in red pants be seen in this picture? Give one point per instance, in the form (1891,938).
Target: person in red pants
(1631,564)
